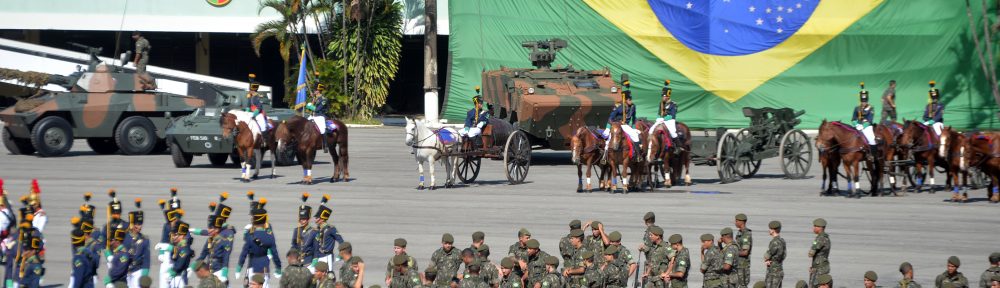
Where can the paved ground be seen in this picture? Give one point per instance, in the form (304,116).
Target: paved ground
(380,204)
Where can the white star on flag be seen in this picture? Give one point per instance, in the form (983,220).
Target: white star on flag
(779,19)
(760,21)
(789,10)
(689,5)
(726,31)
(798,5)
(781,8)
(779,30)
(768,10)
(753,8)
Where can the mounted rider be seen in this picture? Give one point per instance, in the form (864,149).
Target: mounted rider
(316,111)
(667,115)
(476,120)
(862,119)
(934,111)
(624,113)
(255,105)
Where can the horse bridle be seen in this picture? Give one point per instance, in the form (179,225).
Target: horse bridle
(414,136)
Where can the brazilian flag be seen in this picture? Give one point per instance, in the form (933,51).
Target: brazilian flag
(723,55)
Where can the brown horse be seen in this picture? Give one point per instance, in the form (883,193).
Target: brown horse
(982,153)
(639,168)
(587,148)
(828,161)
(658,155)
(835,137)
(680,159)
(304,135)
(919,143)
(619,159)
(954,144)
(888,132)
(249,144)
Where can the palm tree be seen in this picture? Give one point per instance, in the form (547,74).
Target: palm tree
(370,47)
(281,30)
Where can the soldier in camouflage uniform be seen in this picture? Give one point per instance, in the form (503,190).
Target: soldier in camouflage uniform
(573,269)
(519,250)
(478,238)
(399,249)
(597,240)
(680,264)
(658,260)
(509,279)
(534,264)
(141,57)
(612,268)
(205,277)
(488,270)
(472,279)
(447,260)
(907,282)
(551,279)
(296,274)
(711,262)
(403,276)
(650,220)
(870,278)
(565,248)
(820,252)
(355,275)
(744,240)
(730,251)
(774,256)
(801,284)
(824,281)
(430,275)
(622,256)
(592,275)
(951,276)
(321,277)
(347,275)
(987,278)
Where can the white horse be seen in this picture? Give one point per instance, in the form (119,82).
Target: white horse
(428,149)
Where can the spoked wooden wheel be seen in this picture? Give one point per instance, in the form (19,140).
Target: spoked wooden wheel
(796,154)
(468,168)
(517,157)
(745,166)
(727,158)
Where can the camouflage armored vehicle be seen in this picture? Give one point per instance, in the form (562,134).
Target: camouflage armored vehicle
(549,104)
(200,134)
(112,108)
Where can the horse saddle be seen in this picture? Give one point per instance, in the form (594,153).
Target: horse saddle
(446,136)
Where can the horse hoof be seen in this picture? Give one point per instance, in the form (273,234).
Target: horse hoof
(421,187)
(431,188)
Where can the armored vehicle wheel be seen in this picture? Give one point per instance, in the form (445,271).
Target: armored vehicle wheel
(136,135)
(746,167)
(52,136)
(468,168)
(181,159)
(161,146)
(102,146)
(796,154)
(517,157)
(218,159)
(727,158)
(17,146)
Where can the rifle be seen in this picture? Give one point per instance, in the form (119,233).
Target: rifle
(635,280)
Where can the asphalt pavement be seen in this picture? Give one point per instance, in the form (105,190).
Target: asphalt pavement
(380,204)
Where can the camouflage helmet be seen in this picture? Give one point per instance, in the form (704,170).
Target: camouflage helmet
(863,93)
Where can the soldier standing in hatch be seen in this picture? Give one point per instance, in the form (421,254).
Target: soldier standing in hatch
(744,240)
(774,256)
(820,252)
(142,48)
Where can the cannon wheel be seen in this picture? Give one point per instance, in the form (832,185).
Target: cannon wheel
(796,154)
(727,155)
(746,168)
(468,168)
(517,157)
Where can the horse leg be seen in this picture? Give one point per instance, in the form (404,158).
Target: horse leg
(335,159)
(930,173)
(430,168)
(590,168)
(274,159)
(420,171)
(687,168)
(344,160)
(579,176)
(258,157)
(310,155)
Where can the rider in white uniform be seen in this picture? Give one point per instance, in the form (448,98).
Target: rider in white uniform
(475,120)
(256,107)
(668,112)
(862,119)
(934,112)
(623,113)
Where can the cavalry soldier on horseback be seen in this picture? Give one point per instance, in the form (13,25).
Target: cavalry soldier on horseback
(667,114)
(317,113)
(624,113)
(934,111)
(475,120)
(255,105)
(862,119)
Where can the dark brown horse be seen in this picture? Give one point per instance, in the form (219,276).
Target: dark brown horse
(658,155)
(680,159)
(982,153)
(304,135)
(954,144)
(619,157)
(250,144)
(919,143)
(587,148)
(889,132)
(639,172)
(835,137)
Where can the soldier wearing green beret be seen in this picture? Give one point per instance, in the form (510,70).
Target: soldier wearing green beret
(257,281)
(996,280)
(446,259)
(774,257)
(402,275)
(322,278)
(478,238)
(612,269)
(430,275)
(348,276)
(801,284)
(622,256)
(296,274)
(566,248)
(907,282)
(552,279)
(711,262)
(573,268)
(534,264)
(592,275)
(820,251)
(870,278)
(744,240)
(987,278)
(649,220)
(488,270)
(597,240)
(759,284)
(659,260)
(205,277)
(519,250)
(472,278)
(951,276)
(824,281)
(399,249)
(730,251)
(680,264)
(509,279)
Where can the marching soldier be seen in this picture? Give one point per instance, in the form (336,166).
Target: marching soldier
(205,277)
(680,264)
(138,246)
(296,274)
(475,120)
(551,279)
(103,243)
(934,111)
(399,250)
(744,240)
(31,270)
(403,274)
(574,269)
(219,245)
(820,252)
(889,102)
(256,106)
(774,256)
(993,271)
(84,261)
(118,261)
(907,282)
(870,278)
(612,269)
(730,251)
(142,48)
(951,277)
(180,255)
(446,260)
(326,235)
(172,214)
(565,248)
(622,255)
(509,279)
(658,260)
(534,264)
(259,245)
(322,277)
(597,239)
(862,119)
(304,236)
(711,262)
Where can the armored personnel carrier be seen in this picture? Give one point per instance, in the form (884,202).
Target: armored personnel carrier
(114,109)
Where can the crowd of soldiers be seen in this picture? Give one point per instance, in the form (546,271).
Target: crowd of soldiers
(595,260)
